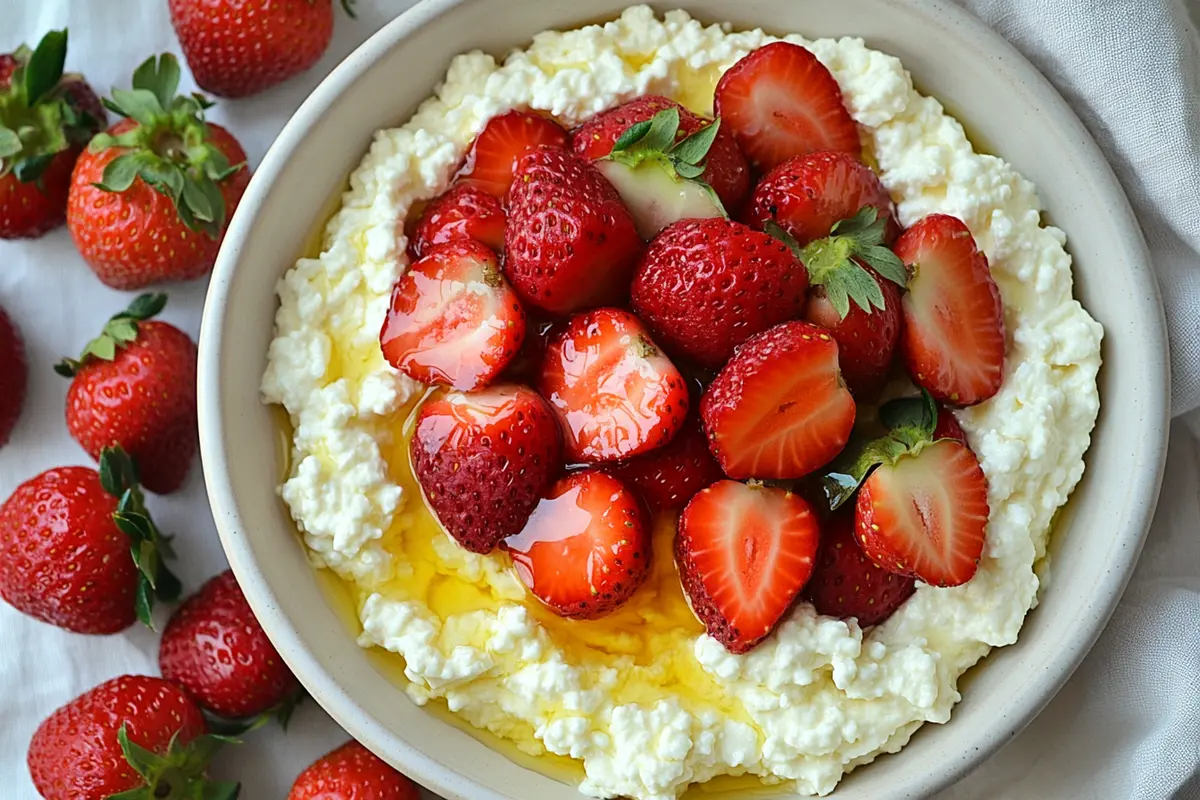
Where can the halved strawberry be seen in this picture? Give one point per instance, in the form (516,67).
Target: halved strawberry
(953,339)
(453,320)
(924,514)
(492,158)
(744,552)
(667,478)
(781,102)
(586,547)
(847,584)
(483,460)
(810,194)
(615,393)
(779,408)
(465,211)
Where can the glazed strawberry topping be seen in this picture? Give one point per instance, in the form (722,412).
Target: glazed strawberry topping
(465,211)
(615,393)
(744,552)
(586,547)
(670,476)
(492,158)
(453,319)
(847,584)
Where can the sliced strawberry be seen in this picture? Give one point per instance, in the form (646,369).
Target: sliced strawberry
(953,339)
(847,584)
(744,552)
(483,459)
(667,478)
(454,320)
(492,157)
(586,547)
(615,393)
(925,514)
(465,211)
(779,408)
(810,194)
(781,102)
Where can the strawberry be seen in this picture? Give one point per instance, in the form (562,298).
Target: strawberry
(352,772)
(779,408)
(214,649)
(492,158)
(14,376)
(953,339)
(130,737)
(237,48)
(453,320)
(924,513)
(65,541)
(668,477)
(135,386)
(948,428)
(586,547)
(46,118)
(706,286)
(781,102)
(615,393)
(465,211)
(744,552)
(150,199)
(483,460)
(810,194)
(724,167)
(845,583)
(570,242)
(867,340)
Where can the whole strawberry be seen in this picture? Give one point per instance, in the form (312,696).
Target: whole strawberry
(14,376)
(847,584)
(214,649)
(65,542)
(135,386)
(352,772)
(237,48)
(46,117)
(131,737)
(150,199)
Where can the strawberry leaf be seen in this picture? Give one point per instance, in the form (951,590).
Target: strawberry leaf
(694,149)
(44,69)
(146,306)
(31,169)
(140,105)
(142,760)
(119,331)
(653,141)
(120,173)
(179,773)
(10,142)
(348,7)
(632,135)
(911,412)
(160,77)
(663,127)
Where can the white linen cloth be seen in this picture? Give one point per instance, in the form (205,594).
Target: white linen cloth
(1128,723)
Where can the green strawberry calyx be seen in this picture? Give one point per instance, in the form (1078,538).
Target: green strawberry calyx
(38,118)
(118,332)
(836,262)
(348,7)
(170,148)
(179,774)
(281,712)
(656,141)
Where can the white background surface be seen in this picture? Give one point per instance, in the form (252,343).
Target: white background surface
(1127,726)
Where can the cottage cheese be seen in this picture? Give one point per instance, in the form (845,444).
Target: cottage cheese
(819,697)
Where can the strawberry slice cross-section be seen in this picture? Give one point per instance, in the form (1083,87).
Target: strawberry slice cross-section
(744,552)
(492,158)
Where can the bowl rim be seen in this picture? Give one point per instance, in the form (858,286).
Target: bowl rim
(282,631)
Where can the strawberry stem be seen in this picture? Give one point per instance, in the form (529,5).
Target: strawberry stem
(180,774)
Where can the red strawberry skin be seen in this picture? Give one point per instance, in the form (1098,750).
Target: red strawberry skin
(74,754)
(726,170)
(847,584)
(570,242)
(14,376)
(135,238)
(706,286)
(484,459)
(809,194)
(781,102)
(667,478)
(744,553)
(352,772)
(779,409)
(214,649)
(947,427)
(145,401)
(465,211)
(62,558)
(492,159)
(237,48)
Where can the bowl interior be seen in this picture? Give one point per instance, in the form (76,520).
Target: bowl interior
(978,77)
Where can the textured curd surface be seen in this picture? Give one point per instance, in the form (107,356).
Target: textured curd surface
(645,701)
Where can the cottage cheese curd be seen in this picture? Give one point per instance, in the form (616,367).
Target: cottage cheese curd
(644,700)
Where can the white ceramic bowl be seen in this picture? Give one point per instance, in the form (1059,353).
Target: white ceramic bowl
(977,76)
